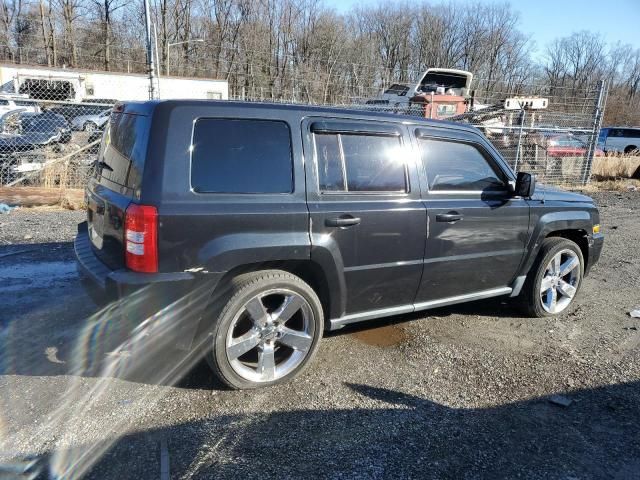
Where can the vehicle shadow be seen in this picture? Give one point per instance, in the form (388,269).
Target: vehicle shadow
(400,436)
(42,307)
(50,326)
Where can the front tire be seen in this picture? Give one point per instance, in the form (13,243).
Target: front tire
(90,127)
(554,279)
(267,331)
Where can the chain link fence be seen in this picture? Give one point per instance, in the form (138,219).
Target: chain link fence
(552,134)
(49,143)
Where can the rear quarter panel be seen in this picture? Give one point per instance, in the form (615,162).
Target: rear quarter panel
(217,232)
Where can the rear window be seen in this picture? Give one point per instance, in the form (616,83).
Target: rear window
(124,149)
(241,156)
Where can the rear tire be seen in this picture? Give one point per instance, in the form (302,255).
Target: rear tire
(631,150)
(554,279)
(90,127)
(267,332)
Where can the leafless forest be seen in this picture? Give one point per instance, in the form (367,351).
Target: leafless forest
(302,50)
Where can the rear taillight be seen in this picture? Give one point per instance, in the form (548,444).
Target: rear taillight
(141,238)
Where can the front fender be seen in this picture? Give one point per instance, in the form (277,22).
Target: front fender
(552,222)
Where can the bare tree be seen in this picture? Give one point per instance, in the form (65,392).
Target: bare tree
(71,15)
(106,10)
(303,50)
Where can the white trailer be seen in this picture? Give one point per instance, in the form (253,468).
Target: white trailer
(66,84)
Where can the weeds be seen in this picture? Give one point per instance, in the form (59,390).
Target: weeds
(617,166)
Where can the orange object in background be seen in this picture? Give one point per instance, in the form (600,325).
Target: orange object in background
(440,106)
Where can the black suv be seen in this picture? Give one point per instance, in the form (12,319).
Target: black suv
(251,228)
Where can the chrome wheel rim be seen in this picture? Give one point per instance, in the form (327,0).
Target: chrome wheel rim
(560,281)
(270,336)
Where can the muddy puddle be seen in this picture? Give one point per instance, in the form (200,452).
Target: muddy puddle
(386,336)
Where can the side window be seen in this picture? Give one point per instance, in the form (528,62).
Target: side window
(241,156)
(631,133)
(373,163)
(360,163)
(616,132)
(459,166)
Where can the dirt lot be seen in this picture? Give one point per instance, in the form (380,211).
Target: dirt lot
(458,392)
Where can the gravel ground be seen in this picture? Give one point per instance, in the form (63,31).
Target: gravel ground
(39,225)
(459,392)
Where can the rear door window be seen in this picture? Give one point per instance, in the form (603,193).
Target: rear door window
(241,156)
(360,163)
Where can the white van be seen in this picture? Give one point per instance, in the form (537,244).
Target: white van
(619,139)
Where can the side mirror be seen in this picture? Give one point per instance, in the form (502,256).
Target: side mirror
(525,185)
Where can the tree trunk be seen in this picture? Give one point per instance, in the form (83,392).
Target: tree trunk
(45,38)
(107,43)
(52,36)
(164,39)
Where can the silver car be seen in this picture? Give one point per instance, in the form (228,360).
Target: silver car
(91,123)
(620,139)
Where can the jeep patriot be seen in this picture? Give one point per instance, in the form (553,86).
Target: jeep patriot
(255,227)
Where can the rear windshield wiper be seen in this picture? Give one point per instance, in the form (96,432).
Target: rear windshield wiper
(103,165)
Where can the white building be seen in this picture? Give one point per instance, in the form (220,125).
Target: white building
(65,84)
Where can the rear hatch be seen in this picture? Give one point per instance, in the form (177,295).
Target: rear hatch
(459,81)
(117,182)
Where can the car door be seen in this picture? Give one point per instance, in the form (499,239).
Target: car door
(365,208)
(476,228)
(630,137)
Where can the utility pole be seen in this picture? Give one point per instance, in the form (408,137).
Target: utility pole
(150,60)
(190,40)
(155,37)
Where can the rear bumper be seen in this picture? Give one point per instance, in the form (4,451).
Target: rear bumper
(118,284)
(178,298)
(596,242)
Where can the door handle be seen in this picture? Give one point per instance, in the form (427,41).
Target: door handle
(344,221)
(448,217)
